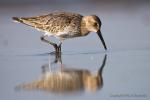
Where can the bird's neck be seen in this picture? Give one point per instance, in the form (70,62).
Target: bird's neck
(84,30)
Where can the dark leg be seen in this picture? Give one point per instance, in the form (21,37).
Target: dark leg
(49,42)
(59,47)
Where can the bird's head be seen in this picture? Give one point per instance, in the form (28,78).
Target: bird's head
(93,24)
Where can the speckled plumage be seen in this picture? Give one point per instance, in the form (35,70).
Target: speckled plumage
(63,25)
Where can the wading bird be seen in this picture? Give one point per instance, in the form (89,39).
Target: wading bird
(63,25)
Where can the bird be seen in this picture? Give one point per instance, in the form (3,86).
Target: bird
(63,25)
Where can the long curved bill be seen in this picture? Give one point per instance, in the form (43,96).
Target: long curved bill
(101,38)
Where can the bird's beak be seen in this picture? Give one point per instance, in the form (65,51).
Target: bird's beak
(101,38)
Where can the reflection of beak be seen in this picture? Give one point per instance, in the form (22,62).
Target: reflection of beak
(101,37)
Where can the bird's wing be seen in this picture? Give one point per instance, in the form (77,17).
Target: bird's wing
(52,23)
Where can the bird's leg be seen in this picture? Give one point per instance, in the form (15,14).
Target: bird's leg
(58,49)
(49,42)
(59,46)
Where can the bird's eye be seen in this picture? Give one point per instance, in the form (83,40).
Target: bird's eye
(95,24)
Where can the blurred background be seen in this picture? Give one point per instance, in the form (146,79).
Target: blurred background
(7,2)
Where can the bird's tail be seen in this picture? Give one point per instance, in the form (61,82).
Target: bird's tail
(25,21)
(16,19)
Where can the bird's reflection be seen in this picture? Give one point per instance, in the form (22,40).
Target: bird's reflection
(66,79)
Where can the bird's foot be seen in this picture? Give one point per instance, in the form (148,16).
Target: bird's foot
(57,49)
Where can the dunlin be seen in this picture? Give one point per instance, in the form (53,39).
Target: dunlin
(63,25)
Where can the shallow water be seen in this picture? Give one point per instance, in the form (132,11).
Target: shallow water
(125,28)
